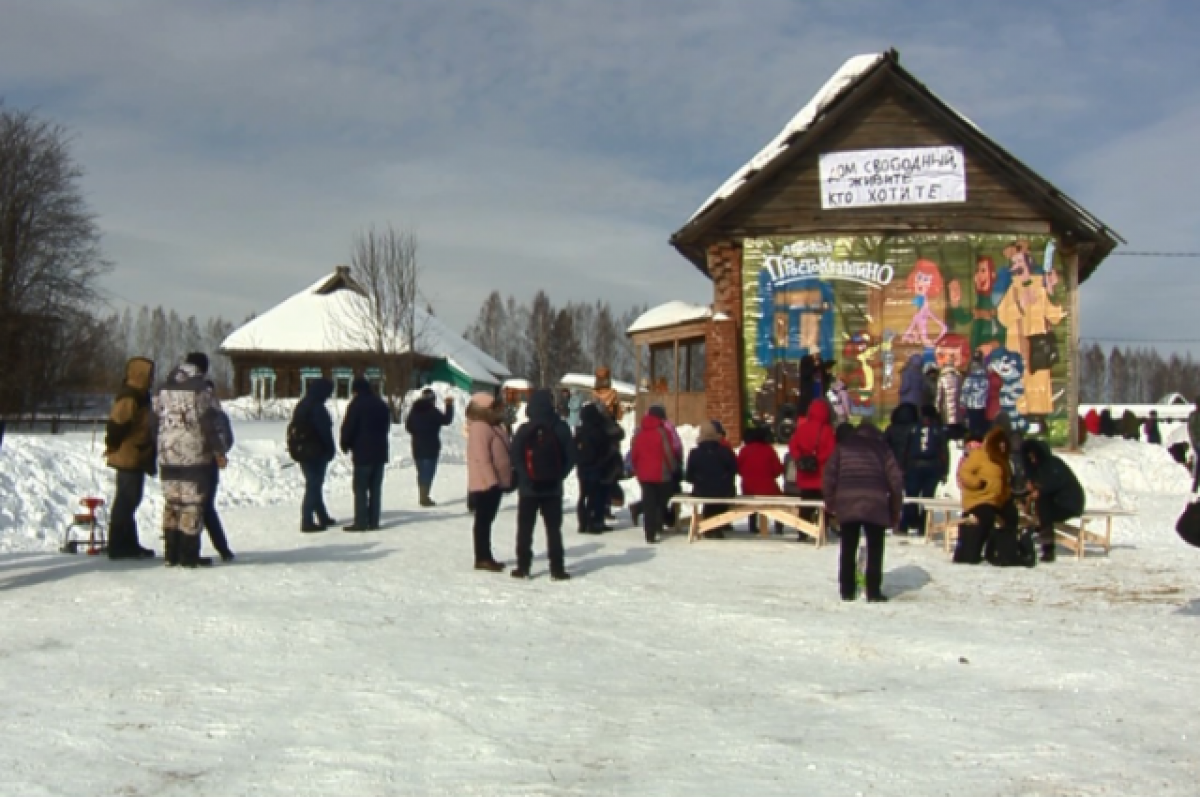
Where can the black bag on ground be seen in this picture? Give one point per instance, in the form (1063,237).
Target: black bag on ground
(969,548)
(1188,525)
(1008,548)
(543,457)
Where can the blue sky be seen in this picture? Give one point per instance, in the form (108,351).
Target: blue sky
(233,149)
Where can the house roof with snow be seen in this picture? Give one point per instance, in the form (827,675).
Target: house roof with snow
(588,382)
(668,315)
(327,318)
(754,200)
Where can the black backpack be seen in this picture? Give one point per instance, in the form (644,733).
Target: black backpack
(543,456)
(1188,525)
(302,442)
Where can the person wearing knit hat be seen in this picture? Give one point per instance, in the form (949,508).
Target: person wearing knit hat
(712,472)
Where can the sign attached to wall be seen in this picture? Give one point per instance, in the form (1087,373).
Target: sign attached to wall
(880,177)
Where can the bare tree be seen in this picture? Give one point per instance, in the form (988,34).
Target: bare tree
(381,311)
(49,256)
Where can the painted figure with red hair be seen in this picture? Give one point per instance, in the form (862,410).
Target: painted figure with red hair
(925,282)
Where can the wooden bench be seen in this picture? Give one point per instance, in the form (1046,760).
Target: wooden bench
(1075,535)
(782,509)
(947,526)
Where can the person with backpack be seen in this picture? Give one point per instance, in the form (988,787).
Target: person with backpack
(544,456)
(310,444)
(1055,491)
(927,464)
(364,437)
(424,426)
(212,521)
(974,397)
(712,471)
(489,473)
(189,439)
(864,490)
(655,460)
(810,448)
(759,467)
(985,478)
(594,452)
(130,448)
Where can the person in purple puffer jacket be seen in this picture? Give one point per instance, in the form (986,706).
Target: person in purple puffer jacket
(864,489)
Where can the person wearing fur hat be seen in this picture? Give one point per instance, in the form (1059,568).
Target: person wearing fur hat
(712,472)
(489,472)
(365,437)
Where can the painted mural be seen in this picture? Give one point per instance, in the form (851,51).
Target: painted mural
(878,305)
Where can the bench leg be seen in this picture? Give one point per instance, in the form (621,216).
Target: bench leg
(694,525)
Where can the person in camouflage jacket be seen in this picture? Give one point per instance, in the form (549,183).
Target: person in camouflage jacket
(190,438)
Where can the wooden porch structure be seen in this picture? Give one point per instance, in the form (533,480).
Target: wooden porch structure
(675,371)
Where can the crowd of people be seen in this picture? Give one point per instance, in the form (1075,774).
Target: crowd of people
(1011,488)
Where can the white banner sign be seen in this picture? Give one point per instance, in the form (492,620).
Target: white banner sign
(872,178)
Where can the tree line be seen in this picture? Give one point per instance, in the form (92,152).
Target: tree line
(543,343)
(1135,376)
(166,338)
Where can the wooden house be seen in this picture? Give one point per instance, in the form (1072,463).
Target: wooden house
(882,229)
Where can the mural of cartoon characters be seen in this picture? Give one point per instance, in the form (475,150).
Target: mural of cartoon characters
(1029,316)
(1009,366)
(985,330)
(924,283)
(859,371)
(952,350)
(889,359)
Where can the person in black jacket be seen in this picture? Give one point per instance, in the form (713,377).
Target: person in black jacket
(926,464)
(712,470)
(1055,491)
(365,437)
(424,426)
(1153,431)
(312,416)
(544,441)
(594,452)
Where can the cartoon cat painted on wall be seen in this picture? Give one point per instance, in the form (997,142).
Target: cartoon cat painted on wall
(1009,366)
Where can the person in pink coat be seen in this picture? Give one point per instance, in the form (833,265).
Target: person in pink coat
(489,472)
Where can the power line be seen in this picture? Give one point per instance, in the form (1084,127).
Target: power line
(1095,339)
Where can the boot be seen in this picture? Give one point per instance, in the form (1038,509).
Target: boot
(425,500)
(635,512)
(171,547)
(189,551)
(1048,553)
(490,566)
(560,575)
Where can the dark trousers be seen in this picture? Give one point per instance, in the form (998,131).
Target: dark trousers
(426,470)
(655,496)
(977,422)
(848,568)
(550,507)
(368,482)
(312,506)
(122,524)
(212,521)
(487,504)
(1048,513)
(594,494)
(809,513)
(918,483)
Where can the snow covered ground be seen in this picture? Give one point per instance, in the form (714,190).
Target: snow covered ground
(381,664)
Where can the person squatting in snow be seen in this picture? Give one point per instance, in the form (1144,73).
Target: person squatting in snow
(189,439)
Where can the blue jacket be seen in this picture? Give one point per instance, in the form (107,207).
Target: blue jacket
(540,410)
(366,426)
(312,408)
(424,424)
(974,393)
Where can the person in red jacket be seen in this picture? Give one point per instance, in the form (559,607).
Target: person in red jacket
(814,439)
(655,463)
(993,396)
(760,469)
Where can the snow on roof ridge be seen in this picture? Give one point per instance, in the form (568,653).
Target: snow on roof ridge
(669,314)
(854,68)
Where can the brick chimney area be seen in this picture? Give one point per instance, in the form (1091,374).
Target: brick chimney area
(723,342)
